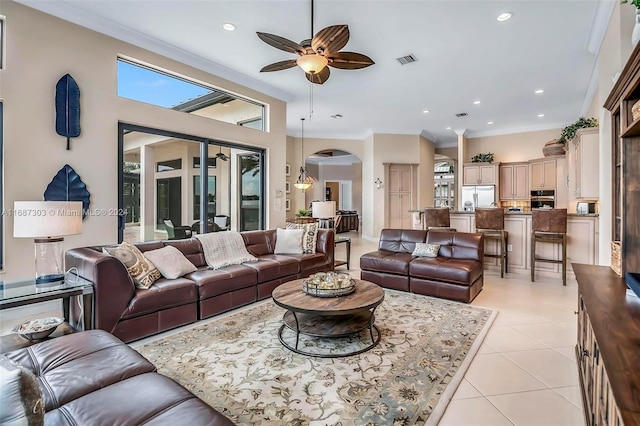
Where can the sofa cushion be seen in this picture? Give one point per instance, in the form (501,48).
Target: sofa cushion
(260,243)
(191,248)
(310,235)
(386,261)
(215,282)
(456,271)
(458,245)
(74,365)
(143,272)
(310,262)
(273,266)
(289,241)
(21,400)
(401,240)
(426,250)
(163,294)
(147,399)
(170,262)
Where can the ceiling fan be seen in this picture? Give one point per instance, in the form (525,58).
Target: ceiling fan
(316,53)
(222,156)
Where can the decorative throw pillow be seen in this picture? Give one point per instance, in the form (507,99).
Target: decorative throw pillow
(170,262)
(289,241)
(426,250)
(310,235)
(21,401)
(141,270)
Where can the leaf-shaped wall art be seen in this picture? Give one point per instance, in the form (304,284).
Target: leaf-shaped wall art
(67,108)
(67,186)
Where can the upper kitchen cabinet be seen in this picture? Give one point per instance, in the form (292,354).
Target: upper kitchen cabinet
(514,181)
(542,173)
(584,162)
(480,174)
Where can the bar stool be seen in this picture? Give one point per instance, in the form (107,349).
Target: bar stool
(490,223)
(549,226)
(437,218)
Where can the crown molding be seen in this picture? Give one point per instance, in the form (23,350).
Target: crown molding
(519,129)
(601,17)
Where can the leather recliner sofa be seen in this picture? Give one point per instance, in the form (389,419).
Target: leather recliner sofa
(131,313)
(93,378)
(457,272)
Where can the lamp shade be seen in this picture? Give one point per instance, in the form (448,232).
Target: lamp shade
(45,219)
(323,209)
(312,64)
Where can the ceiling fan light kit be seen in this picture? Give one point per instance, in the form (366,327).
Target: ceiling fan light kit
(315,54)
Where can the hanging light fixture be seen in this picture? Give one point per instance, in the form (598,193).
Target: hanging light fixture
(305,181)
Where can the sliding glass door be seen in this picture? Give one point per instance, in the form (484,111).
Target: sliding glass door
(163,182)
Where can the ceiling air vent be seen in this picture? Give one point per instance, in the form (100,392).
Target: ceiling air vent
(461,114)
(407,59)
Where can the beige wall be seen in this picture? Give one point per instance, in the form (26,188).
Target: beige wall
(512,147)
(40,49)
(450,152)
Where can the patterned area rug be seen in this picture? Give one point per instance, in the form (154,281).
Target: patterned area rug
(237,365)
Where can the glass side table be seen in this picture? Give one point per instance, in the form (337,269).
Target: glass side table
(347,241)
(27,292)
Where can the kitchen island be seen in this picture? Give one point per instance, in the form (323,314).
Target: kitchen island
(582,244)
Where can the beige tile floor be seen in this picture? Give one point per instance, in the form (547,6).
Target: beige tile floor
(525,372)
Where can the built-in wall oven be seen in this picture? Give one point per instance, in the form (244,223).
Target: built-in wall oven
(543,199)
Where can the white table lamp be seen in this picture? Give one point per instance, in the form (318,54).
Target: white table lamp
(47,222)
(324,211)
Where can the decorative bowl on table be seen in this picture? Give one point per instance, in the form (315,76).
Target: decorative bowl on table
(38,329)
(329,284)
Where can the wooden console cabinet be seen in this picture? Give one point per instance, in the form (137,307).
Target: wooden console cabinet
(608,349)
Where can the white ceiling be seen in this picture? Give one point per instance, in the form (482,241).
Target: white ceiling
(464,54)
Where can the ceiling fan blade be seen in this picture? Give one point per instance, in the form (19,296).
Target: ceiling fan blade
(281,43)
(279,66)
(320,77)
(349,60)
(330,39)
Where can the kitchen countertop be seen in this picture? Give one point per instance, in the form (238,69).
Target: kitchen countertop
(513,213)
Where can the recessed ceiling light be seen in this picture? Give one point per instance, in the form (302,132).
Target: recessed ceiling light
(228,26)
(539,91)
(504,16)
(476,102)
(489,122)
(448,128)
(426,111)
(540,115)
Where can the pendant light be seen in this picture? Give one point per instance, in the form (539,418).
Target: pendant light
(305,181)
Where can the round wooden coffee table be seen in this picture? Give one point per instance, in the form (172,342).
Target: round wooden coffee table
(328,317)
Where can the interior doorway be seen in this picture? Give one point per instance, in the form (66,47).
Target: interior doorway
(402,195)
(340,191)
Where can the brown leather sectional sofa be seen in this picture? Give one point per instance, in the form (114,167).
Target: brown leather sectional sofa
(131,313)
(457,273)
(93,378)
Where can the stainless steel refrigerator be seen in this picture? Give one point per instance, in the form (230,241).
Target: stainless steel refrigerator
(478,196)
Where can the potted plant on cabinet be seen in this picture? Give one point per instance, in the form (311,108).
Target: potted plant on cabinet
(556,146)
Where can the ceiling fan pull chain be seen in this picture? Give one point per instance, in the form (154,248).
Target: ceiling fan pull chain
(310,100)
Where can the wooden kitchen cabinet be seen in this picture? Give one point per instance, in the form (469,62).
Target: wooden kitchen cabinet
(514,181)
(480,174)
(584,153)
(542,173)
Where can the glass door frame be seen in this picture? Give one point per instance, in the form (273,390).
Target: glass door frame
(123,128)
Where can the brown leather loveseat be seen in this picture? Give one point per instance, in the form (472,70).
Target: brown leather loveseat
(456,273)
(93,378)
(132,313)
